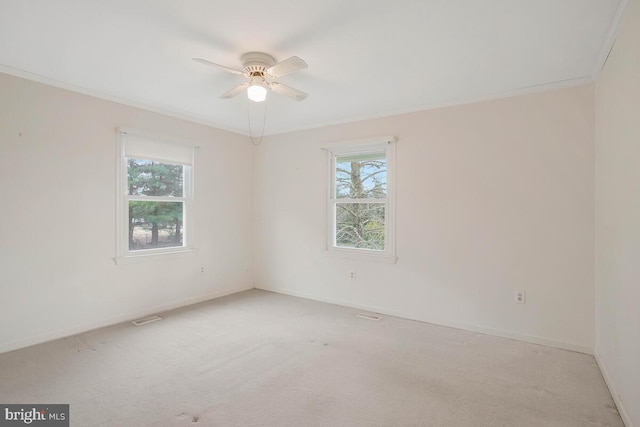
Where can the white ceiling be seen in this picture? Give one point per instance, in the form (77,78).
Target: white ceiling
(366,58)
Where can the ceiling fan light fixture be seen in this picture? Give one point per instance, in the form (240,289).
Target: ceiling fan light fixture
(257,92)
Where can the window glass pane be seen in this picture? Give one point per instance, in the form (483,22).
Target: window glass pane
(155,224)
(361,176)
(360,225)
(152,178)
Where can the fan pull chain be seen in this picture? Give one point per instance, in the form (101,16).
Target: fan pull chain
(264,121)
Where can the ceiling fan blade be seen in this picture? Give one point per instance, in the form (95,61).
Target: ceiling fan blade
(236,90)
(285,90)
(287,66)
(222,67)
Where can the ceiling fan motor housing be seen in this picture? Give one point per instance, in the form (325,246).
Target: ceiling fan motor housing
(256,63)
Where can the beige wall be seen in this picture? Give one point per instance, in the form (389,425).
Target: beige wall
(57,220)
(491,197)
(618,218)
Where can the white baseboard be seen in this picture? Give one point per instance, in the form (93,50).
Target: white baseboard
(472,328)
(62,333)
(612,389)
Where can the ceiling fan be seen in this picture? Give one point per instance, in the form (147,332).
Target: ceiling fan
(261,69)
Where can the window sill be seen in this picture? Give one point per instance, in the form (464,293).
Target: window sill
(357,255)
(154,256)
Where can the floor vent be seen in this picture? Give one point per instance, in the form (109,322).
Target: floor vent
(369,316)
(146,320)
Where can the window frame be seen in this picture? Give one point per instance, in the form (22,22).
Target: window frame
(123,253)
(386,145)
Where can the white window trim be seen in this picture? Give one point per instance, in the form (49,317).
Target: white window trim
(123,254)
(388,144)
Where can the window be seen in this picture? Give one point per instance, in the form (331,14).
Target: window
(155,196)
(361,200)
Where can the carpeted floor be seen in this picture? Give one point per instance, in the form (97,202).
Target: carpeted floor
(263,359)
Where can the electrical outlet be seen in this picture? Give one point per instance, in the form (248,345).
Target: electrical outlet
(202,270)
(521,297)
(352,275)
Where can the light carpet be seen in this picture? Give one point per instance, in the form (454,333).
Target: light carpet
(262,359)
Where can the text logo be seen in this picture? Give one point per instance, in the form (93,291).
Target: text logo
(39,415)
